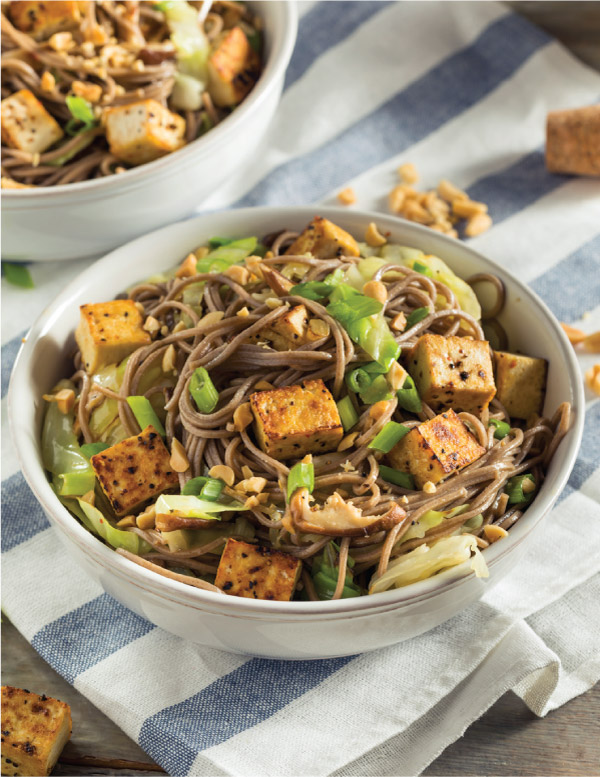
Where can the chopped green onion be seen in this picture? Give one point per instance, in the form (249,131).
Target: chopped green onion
(351,561)
(377,391)
(90,449)
(86,137)
(389,436)
(215,242)
(255,41)
(408,396)
(422,268)
(348,414)
(374,368)
(349,311)
(145,414)
(416,316)
(82,112)
(302,475)
(206,124)
(358,380)
(315,290)
(520,489)
(325,576)
(17,274)
(203,391)
(75,483)
(501,428)
(398,478)
(204,487)
(227,254)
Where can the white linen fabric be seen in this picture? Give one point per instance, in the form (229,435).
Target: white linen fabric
(461,90)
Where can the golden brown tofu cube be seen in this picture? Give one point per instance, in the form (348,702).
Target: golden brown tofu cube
(108,332)
(42,19)
(233,68)
(293,421)
(26,124)
(134,471)
(453,372)
(257,573)
(521,383)
(324,240)
(435,449)
(290,331)
(144,131)
(34,731)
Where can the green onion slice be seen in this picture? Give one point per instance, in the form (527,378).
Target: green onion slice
(90,449)
(422,268)
(408,396)
(82,112)
(390,435)
(302,475)
(398,478)
(358,380)
(348,414)
(377,391)
(416,316)
(520,489)
(75,483)
(315,290)
(203,391)
(501,428)
(17,275)
(145,414)
(204,487)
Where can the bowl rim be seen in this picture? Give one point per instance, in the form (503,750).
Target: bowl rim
(27,445)
(272,72)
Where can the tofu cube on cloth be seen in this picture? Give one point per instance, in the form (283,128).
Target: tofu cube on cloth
(324,240)
(435,449)
(42,19)
(233,68)
(108,332)
(453,372)
(34,731)
(134,470)
(143,131)
(26,124)
(295,420)
(254,572)
(521,383)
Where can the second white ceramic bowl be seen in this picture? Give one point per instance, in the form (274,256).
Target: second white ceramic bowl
(91,217)
(290,630)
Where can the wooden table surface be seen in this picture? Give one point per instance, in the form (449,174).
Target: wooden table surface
(507,740)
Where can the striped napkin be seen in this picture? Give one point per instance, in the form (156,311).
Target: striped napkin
(461,90)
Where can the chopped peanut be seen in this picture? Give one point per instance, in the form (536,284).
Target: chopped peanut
(449,192)
(243,312)
(91,92)
(414,211)
(592,342)
(179,460)
(147,519)
(408,173)
(477,224)
(429,487)
(592,378)
(347,442)
(398,323)
(187,269)
(168,360)
(396,199)
(575,336)
(212,318)
(151,325)
(247,472)
(251,485)
(273,302)
(61,41)
(242,417)
(47,82)
(467,208)
(319,327)
(90,498)
(373,236)
(127,522)
(65,399)
(238,274)
(494,533)
(396,376)
(377,290)
(264,385)
(347,196)
(222,472)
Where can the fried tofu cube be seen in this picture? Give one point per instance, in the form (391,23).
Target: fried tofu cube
(34,731)
(134,471)
(453,372)
(42,19)
(435,449)
(26,124)
(324,240)
(108,332)
(293,421)
(141,132)
(233,68)
(255,572)
(521,383)
(289,331)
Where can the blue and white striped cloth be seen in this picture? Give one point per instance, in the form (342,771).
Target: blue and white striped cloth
(461,90)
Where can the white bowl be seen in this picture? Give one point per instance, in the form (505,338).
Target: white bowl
(291,630)
(92,217)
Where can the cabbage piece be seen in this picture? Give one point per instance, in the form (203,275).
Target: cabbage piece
(97,523)
(187,539)
(425,561)
(193,507)
(430,519)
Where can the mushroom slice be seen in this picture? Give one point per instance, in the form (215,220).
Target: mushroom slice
(336,517)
